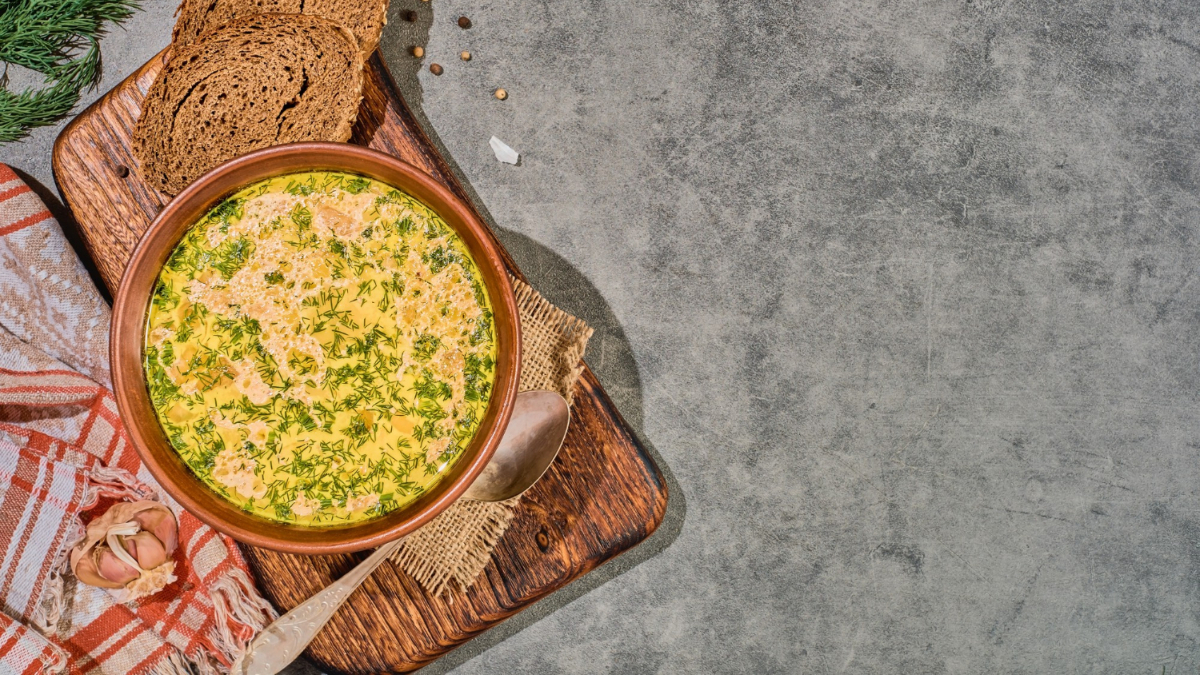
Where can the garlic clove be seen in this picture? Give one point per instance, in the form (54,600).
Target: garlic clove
(113,568)
(88,571)
(146,549)
(160,523)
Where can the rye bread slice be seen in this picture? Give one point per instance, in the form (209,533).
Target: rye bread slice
(260,81)
(364,18)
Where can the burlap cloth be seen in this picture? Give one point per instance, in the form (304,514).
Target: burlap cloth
(456,546)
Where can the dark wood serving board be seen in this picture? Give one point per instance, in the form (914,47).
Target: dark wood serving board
(602,496)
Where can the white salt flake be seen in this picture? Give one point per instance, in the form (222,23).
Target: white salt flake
(503,152)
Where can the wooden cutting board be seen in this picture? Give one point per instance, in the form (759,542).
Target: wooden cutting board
(602,496)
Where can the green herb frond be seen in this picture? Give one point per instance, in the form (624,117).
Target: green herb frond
(48,36)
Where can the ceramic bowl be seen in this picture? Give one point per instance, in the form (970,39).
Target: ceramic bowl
(128,335)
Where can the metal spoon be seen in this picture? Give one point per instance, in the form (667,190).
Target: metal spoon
(530,443)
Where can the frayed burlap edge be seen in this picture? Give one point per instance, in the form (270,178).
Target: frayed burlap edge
(453,548)
(552,344)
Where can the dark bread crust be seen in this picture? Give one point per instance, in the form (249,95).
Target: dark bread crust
(259,81)
(364,18)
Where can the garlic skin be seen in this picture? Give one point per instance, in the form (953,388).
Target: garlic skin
(128,550)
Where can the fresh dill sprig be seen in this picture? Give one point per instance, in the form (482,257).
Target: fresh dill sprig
(46,36)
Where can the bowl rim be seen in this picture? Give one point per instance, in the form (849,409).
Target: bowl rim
(127,334)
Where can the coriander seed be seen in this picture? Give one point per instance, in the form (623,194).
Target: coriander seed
(501,94)
(418,51)
(465,56)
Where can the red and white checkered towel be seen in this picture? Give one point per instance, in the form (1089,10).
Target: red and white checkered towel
(64,457)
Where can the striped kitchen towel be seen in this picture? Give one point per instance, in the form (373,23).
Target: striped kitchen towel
(26,651)
(64,458)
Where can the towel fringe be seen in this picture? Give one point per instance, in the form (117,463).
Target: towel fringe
(240,614)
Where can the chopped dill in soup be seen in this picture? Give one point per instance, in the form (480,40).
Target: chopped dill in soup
(320,348)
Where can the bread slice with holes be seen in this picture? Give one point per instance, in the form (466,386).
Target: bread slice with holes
(364,18)
(259,81)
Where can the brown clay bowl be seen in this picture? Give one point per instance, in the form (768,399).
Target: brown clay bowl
(128,329)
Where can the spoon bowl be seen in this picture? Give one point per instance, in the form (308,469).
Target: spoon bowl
(535,433)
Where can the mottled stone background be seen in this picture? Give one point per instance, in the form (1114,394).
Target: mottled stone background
(902,294)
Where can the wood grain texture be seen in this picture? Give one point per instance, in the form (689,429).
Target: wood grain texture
(602,496)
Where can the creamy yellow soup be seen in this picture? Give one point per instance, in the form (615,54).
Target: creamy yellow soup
(320,348)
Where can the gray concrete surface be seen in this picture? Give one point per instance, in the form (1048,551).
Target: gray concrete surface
(903,295)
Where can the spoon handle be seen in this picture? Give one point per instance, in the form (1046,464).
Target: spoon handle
(281,642)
